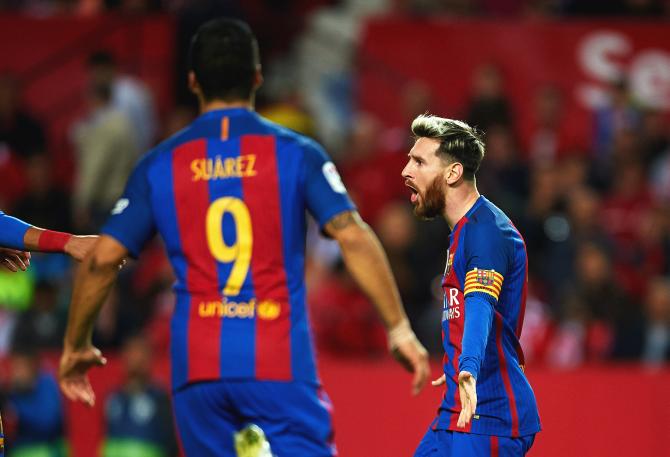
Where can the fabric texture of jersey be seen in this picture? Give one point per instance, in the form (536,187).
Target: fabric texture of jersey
(12,231)
(446,443)
(484,287)
(229,195)
(295,417)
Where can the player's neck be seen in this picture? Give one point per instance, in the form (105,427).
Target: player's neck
(220,104)
(459,201)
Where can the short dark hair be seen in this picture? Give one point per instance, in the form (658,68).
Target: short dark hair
(458,141)
(224,57)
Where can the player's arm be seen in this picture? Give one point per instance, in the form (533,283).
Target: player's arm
(17,236)
(129,227)
(486,265)
(93,282)
(328,202)
(366,261)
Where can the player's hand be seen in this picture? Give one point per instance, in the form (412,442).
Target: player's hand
(439,381)
(411,354)
(72,373)
(14,260)
(467,388)
(79,245)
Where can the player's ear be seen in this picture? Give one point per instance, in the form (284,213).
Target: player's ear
(453,173)
(193,84)
(258,77)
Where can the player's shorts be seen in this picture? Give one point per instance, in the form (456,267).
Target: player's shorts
(446,443)
(295,417)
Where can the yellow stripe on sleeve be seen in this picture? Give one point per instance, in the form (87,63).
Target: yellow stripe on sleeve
(492,293)
(485,281)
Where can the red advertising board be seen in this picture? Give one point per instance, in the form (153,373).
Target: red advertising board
(579,57)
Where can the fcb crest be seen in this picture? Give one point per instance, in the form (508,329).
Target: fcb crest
(485,277)
(450,262)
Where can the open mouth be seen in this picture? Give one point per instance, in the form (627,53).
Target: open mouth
(415,193)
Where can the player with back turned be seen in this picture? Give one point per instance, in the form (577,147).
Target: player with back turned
(18,237)
(488,408)
(229,196)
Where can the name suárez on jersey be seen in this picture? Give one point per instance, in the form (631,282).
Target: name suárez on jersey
(219,168)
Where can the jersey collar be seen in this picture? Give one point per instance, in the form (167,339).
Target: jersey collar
(467,215)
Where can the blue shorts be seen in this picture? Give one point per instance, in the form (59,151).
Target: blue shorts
(445,443)
(294,416)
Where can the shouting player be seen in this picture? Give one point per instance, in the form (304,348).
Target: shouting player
(489,408)
(229,196)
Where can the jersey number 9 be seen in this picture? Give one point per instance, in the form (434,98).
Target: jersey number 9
(240,251)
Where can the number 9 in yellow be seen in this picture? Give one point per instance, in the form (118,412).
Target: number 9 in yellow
(240,251)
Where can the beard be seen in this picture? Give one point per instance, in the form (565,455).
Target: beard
(431,204)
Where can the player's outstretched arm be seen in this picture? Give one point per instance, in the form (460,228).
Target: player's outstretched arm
(17,236)
(42,240)
(92,283)
(368,264)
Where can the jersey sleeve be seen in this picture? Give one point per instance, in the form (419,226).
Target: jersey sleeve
(131,221)
(486,261)
(324,190)
(12,231)
(485,265)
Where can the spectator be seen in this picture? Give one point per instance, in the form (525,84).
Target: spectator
(488,105)
(565,231)
(138,417)
(371,174)
(646,335)
(19,131)
(616,115)
(33,411)
(21,136)
(129,95)
(44,204)
(106,154)
(410,248)
(655,136)
(589,311)
(43,325)
(345,322)
(624,207)
(502,176)
(548,135)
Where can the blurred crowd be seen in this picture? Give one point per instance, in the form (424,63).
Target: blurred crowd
(593,205)
(628,8)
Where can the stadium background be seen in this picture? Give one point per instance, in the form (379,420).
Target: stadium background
(574,98)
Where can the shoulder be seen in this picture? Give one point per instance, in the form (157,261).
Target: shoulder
(165,147)
(291,139)
(488,225)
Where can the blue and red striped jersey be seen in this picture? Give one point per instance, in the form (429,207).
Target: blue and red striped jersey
(484,287)
(229,196)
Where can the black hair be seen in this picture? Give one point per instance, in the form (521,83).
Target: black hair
(224,57)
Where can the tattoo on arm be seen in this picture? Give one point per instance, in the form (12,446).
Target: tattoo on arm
(342,221)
